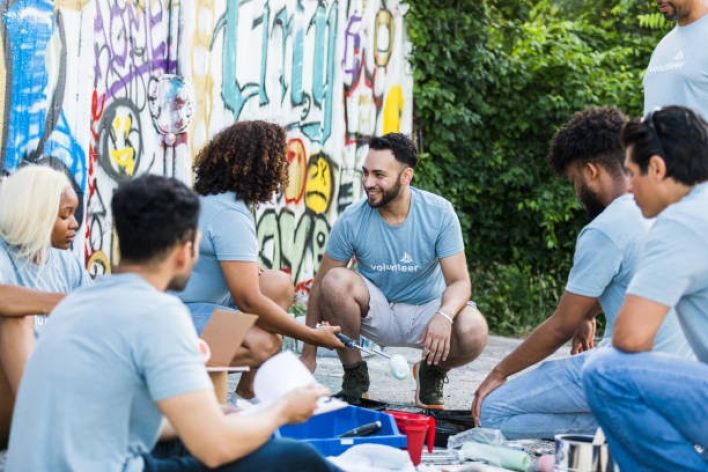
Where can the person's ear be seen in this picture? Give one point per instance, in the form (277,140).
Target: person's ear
(183,254)
(657,167)
(591,171)
(407,175)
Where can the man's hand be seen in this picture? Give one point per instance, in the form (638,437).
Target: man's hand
(488,385)
(436,340)
(584,338)
(324,335)
(299,404)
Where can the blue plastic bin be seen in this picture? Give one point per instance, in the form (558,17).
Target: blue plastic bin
(320,430)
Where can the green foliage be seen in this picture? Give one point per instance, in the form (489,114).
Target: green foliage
(493,81)
(516,298)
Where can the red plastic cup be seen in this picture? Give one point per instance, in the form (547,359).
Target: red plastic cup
(417,429)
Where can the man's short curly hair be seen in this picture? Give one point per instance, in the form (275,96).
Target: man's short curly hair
(248,157)
(591,135)
(399,144)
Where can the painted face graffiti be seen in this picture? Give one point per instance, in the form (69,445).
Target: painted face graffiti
(319,186)
(297,171)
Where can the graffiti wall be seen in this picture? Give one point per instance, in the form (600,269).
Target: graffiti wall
(109,89)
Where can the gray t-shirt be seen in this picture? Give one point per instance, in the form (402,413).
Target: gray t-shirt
(606,256)
(62,273)
(228,234)
(678,69)
(403,260)
(673,266)
(88,396)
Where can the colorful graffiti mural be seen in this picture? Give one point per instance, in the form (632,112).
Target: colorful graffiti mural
(84,85)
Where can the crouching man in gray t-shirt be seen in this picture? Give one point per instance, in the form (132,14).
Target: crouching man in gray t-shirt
(114,358)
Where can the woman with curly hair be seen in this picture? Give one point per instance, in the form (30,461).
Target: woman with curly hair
(37,227)
(242,166)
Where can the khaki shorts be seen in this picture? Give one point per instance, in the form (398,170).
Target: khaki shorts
(397,324)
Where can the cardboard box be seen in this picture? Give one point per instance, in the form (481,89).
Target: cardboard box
(224,333)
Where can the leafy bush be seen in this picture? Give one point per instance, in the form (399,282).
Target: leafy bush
(493,82)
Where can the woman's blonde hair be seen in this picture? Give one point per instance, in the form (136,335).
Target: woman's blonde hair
(29,205)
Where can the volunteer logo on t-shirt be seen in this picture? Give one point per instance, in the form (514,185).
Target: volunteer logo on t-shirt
(405,264)
(676,62)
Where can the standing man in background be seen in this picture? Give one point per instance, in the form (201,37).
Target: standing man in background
(678,69)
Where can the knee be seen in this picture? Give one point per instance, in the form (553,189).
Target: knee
(599,373)
(479,331)
(492,411)
(337,284)
(284,290)
(336,280)
(474,330)
(595,366)
(278,287)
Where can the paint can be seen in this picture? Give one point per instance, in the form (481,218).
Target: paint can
(577,453)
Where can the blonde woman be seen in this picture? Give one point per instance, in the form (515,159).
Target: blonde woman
(37,227)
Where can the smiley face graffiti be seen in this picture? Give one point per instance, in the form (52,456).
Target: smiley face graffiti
(320,183)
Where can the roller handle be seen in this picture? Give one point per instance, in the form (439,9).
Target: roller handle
(346,340)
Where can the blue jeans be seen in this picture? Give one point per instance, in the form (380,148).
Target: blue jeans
(546,401)
(277,455)
(653,408)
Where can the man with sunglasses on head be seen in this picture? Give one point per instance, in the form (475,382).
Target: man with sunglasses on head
(549,400)
(678,70)
(411,287)
(652,406)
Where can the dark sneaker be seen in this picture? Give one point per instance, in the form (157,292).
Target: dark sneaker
(355,384)
(429,382)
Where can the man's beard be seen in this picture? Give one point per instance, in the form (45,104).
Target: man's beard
(673,15)
(178,283)
(386,196)
(592,205)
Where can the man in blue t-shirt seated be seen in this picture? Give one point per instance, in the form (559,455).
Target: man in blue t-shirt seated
(653,407)
(411,287)
(118,358)
(549,400)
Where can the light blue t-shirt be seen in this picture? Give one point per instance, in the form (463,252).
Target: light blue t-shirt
(673,267)
(678,69)
(107,354)
(606,255)
(228,234)
(61,273)
(404,260)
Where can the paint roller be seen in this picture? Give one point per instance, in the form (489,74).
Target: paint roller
(397,363)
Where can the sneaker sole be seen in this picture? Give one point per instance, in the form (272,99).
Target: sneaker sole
(416,398)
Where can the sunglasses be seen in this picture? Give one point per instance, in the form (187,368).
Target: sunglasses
(649,122)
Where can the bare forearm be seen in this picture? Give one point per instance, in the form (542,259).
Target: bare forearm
(543,341)
(225,439)
(21,301)
(455,296)
(248,433)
